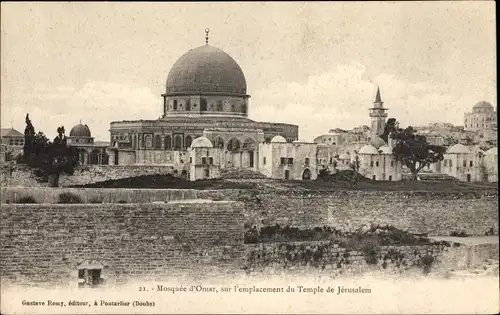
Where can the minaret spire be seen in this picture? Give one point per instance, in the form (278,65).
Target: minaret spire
(378,99)
(207,30)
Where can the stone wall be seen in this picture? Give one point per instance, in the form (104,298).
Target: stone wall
(20,175)
(44,244)
(97,195)
(419,212)
(98,173)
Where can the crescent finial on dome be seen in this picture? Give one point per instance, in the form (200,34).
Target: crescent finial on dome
(207,30)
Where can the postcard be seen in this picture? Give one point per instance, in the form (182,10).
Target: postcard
(249,157)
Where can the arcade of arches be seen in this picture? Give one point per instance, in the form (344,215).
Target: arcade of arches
(94,156)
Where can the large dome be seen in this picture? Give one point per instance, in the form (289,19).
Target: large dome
(206,70)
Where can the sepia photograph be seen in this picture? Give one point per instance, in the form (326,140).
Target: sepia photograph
(249,157)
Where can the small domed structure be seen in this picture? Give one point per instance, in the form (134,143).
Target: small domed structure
(278,139)
(368,149)
(377,142)
(201,142)
(386,149)
(80,131)
(458,149)
(492,151)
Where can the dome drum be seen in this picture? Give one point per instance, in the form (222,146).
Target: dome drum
(214,104)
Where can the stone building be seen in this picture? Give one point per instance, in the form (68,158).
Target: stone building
(482,117)
(91,152)
(280,159)
(205,95)
(12,143)
(464,164)
(204,160)
(491,164)
(379,164)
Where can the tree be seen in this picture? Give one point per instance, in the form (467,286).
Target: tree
(414,151)
(49,159)
(390,126)
(355,167)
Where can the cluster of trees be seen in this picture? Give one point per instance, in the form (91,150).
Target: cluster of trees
(49,159)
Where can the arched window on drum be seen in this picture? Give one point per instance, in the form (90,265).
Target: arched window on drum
(148,140)
(157,142)
(168,143)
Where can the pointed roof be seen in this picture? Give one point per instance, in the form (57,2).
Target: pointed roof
(378,99)
(11,132)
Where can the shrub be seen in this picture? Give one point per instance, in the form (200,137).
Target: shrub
(68,197)
(426,262)
(26,199)
(459,234)
(490,232)
(370,251)
(95,200)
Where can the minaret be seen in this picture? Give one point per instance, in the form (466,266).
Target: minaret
(378,115)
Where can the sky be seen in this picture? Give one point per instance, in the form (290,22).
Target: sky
(315,64)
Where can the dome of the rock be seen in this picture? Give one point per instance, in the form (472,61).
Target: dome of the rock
(206,70)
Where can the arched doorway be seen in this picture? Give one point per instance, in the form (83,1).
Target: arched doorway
(184,174)
(287,174)
(218,143)
(94,157)
(203,105)
(233,145)
(306,175)
(249,146)
(105,159)
(178,142)
(188,141)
